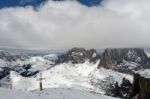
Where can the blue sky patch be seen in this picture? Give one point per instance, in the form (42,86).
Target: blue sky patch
(14,3)
(35,3)
(90,2)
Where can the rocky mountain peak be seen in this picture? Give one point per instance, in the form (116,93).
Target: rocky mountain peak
(79,55)
(124,57)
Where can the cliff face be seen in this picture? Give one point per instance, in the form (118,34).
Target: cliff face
(141,88)
(123,58)
(122,90)
(78,56)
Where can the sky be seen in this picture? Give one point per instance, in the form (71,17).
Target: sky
(59,24)
(36,3)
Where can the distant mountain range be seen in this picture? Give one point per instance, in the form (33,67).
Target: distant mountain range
(108,71)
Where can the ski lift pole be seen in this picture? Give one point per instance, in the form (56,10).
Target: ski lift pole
(41,82)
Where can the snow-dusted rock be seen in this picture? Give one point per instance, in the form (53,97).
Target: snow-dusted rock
(124,59)
(141,86)
(78,56)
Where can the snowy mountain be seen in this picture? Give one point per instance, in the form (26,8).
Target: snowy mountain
(125,60)
(78,56)
(76,69)
(26,63)
(69,75)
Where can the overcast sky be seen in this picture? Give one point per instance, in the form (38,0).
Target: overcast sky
(67,24)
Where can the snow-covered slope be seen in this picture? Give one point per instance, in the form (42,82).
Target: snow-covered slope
(28,66)
(68,75)
(50,94)
(65,77)
(144,73)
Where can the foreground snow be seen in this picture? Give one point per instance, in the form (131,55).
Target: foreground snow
(50,94)
(79,78)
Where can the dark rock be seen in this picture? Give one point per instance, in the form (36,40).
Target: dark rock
(141,88)
(26,67)
(29,73)
(22,70)
(121,91)
(5,71)
(78,55)
(123,58)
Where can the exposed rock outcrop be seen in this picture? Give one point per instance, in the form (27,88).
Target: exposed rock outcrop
(22,70)
(29,73)
(124,59)
(26,70)
(78,55)
(122,90)
(4,72)
(141,88)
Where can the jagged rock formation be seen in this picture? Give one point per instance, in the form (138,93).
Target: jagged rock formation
(141,88)
(122,90)
(124,59)
(78,55)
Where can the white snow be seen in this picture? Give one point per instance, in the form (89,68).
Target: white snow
(94,55)
(147,52)
(66,80)
(50,94)
(39,63)
(68,75)
(130,65)
(51,57)
(103,73)
(3,63)
(23,83)
(132,55)
(145,73)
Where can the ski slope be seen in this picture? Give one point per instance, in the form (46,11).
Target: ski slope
(50,94)
(68,75)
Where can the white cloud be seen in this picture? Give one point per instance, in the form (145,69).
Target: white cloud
(117,23)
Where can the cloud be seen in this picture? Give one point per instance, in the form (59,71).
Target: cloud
(66,24)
